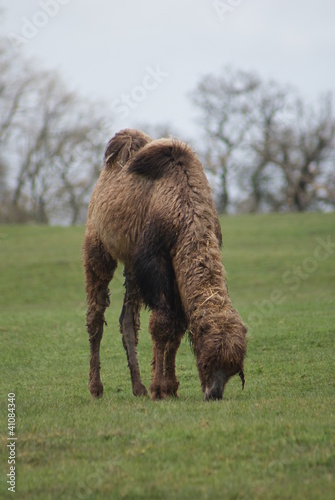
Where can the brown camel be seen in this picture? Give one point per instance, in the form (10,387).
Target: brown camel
(152,209)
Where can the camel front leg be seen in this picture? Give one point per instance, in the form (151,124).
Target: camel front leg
(170,377)
(158,386)
(159,326)
(178,327)
(129,326)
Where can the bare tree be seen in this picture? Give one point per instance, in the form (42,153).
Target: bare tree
(52,144)
(261,135)
(78,164)
(13,91)
(304,152)
(226,117)
(62,154)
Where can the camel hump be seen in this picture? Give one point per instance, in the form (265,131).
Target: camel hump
(157,158)
(123,145)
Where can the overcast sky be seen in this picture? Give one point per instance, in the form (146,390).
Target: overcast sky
(143,57)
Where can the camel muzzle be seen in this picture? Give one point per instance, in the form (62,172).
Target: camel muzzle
(215,389)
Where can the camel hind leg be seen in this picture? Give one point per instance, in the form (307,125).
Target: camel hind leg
(99,269)
(129,326)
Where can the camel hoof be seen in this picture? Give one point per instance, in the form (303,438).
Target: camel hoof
(140,390)
(157,395)
(171,389)
(96,390)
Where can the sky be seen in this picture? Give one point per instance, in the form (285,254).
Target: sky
(143,58)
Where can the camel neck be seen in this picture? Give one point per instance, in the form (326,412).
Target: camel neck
(200,275)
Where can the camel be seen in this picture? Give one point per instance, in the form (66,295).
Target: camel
(152,210)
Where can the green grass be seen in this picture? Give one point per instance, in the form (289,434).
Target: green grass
(273,440)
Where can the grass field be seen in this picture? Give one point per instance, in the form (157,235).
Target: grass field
(273,440)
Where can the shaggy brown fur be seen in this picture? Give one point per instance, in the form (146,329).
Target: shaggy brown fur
(152,209)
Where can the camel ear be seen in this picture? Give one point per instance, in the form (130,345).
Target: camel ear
(241,374)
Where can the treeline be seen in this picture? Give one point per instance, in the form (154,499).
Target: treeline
(270,149)
(52,144)
(263,147)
